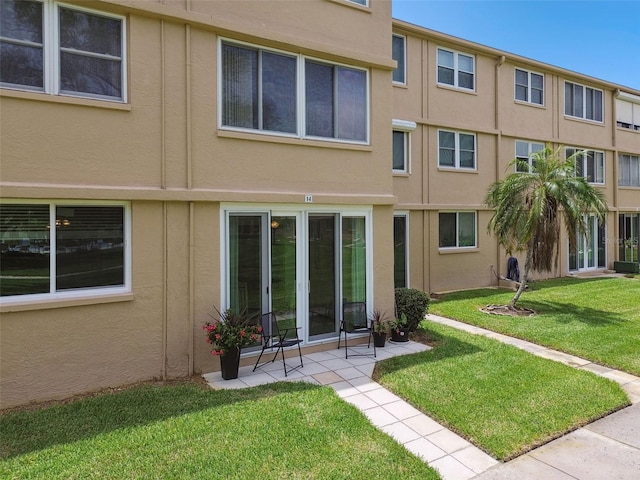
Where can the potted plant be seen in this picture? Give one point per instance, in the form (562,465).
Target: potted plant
(227,335)
(380,326)
(400,329)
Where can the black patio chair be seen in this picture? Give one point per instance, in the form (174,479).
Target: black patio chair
(355,322)
(278,336)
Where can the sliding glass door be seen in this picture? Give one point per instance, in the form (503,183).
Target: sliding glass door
(322,269)
(301,264)
(590,250)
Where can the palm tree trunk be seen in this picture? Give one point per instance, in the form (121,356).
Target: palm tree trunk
(525,276)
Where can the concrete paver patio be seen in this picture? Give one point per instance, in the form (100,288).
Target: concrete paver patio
(608,448)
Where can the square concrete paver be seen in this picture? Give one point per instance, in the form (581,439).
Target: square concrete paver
(423,424)
(381,396)
(401,410)
(425,449)
(451,469)
(401,432)
(475,459)
(380,417)
(448,441)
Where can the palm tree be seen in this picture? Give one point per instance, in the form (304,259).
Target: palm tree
(532,207)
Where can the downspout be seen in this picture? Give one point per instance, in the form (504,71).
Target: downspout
(189,160)
(499,64)
(163,186)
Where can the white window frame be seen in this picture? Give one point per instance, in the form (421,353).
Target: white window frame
(529,87)
(633,159)
(404,60)
(530,153)
(405,127)
(51,53)
(456,165)
(300,94)
(457,245)
(301,213)
(583,157)
(456,69)
(77,293)
(584,102)
(633,103)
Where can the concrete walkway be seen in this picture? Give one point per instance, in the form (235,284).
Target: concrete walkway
(606,449)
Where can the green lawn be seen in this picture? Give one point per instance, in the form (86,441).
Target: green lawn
(279,431)
(503,399)
(596,319)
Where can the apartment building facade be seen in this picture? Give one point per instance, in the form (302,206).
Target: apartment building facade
(162,158)
(462,113)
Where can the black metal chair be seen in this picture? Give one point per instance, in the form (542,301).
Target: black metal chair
(355,321)
(275,335)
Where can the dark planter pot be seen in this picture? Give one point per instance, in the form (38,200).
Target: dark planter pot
(229,363)
(379,339)
(400,335)
(626,267)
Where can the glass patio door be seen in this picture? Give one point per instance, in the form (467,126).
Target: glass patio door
(284,268)
(248,275)
(322,268)
(589,253)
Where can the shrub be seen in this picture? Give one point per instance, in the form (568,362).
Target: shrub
(413,303)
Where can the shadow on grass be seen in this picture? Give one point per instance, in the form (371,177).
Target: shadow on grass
(564,313)
(25,431)
(444,347)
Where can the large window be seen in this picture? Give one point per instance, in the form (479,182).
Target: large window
(529,87)
(524,154)
(457,229)
(628,170)
(456,150)
(589,164)
(55,248)
(583,102)
(269,91)
(398,53)
(456,69)
(257,89)
(335,101)
(60,49)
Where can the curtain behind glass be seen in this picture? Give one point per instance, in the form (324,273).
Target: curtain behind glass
(351,104)
(89,246)
(26,249)
(278,93)
(319,99)
(239,87)
(354,271)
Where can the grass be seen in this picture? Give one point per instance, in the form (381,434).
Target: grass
(279,431)
(596,319)
(502,399)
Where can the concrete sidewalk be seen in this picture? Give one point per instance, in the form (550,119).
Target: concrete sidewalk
(604,450)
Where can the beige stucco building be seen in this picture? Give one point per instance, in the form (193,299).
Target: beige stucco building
(173,156)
